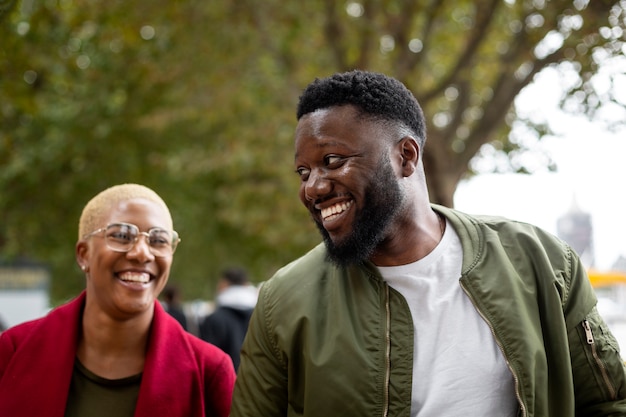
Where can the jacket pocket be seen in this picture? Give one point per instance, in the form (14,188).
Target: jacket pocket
(599,368)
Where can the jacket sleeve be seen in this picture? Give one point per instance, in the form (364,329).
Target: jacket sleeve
(6,352)
(219,388)
(261,386)
(597,366)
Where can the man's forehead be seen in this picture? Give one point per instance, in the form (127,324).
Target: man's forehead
(322,121)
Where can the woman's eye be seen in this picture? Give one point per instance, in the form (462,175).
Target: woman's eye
(159,238)
(158,242)
(121,236)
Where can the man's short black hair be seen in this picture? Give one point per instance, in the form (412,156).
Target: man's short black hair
(375,94)
(235,276)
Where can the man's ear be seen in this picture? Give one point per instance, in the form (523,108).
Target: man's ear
(410,154)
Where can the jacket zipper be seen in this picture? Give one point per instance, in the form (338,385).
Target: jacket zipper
(387,352)
(591,342)
(515,378)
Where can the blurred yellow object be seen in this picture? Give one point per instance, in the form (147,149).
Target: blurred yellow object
(604,279)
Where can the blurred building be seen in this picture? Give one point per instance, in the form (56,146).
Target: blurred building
(619,264)
(575,227)
(24,291)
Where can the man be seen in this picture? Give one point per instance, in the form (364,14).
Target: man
(413,309)
(172,304)
(226,327)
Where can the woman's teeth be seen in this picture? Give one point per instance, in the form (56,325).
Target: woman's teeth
(141,277)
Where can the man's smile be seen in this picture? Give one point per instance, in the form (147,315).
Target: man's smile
(330,213)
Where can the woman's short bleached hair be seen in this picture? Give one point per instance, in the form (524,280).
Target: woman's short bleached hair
(98,206)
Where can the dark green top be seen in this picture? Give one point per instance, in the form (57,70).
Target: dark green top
(94,396)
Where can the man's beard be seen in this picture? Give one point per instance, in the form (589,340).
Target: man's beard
(383,199)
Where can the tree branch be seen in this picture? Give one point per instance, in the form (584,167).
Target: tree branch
(484,17)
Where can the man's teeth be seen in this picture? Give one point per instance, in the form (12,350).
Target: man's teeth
(332,211)
(141,277)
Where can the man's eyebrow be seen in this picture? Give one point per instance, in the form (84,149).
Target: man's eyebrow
(325,145)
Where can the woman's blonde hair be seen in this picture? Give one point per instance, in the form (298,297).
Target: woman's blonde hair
(99,205)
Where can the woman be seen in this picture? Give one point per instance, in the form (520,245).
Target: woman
(113,350)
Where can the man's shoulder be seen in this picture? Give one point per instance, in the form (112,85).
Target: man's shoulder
(227,313)
(480,226)
(302,275)
(313,263)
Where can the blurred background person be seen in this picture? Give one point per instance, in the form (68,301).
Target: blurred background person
(226,327)
(172,304)
(113,350)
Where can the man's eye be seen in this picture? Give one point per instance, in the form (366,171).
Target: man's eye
(303,172)
(332,159)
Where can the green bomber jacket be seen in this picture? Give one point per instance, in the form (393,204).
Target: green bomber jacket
(331,341)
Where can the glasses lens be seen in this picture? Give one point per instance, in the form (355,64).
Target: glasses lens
(121,237)
(161,242)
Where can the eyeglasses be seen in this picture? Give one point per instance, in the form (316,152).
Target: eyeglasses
(122,237)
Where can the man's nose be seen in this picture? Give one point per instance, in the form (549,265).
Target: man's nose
(317,185)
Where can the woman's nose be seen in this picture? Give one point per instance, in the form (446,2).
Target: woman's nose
(141,248)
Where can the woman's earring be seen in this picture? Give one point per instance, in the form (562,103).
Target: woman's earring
(85,268)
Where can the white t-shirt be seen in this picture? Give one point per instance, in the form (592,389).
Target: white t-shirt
(458,369)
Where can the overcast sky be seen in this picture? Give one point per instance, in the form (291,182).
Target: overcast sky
(591,173)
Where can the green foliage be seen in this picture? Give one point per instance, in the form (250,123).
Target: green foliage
(197,100)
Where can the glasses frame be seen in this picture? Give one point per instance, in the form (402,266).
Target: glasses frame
(175,238)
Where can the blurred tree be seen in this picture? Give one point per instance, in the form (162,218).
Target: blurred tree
(197,100)
(465,61)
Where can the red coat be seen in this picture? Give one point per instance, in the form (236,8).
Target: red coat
(183,375)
